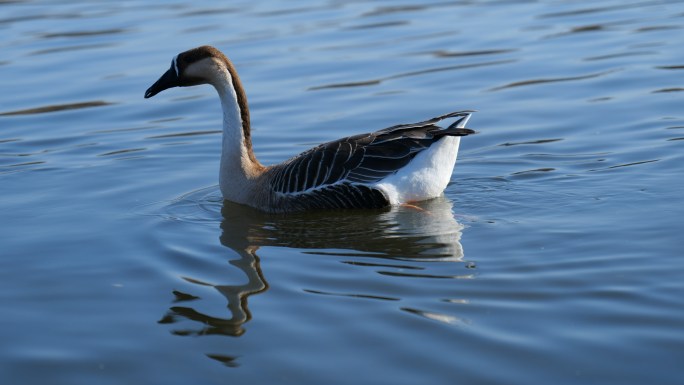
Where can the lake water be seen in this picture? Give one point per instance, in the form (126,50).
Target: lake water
(554,257)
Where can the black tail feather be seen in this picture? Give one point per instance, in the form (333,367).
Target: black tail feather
(454,131)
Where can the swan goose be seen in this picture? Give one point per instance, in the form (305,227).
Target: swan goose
(397,165)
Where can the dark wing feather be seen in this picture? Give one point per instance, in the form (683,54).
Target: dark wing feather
(358,159)
(335,196)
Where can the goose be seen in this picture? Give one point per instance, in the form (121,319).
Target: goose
(397,165)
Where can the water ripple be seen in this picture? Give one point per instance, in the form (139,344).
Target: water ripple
(409,74)
(620,55)
(363,296)
(79,47)
(445,54)
(610,8)
(552,80)
(125,151)
(379,25)
(430,276)
(627,165)
(84,33)
(667,90)
(538,141)
(183,134)
(387,10)
(434,316)
(57,107)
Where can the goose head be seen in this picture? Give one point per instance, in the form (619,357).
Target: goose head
(197,66)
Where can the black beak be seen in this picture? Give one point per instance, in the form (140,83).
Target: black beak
(166,81)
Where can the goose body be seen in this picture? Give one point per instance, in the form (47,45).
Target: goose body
(400,164)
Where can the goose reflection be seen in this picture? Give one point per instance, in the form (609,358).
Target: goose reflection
(427,231)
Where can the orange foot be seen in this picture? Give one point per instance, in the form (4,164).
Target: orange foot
(412,206)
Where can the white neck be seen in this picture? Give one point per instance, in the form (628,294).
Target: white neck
(236,171)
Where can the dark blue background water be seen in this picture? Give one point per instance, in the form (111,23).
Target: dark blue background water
(555,256)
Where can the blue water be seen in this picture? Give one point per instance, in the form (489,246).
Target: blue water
(554,257)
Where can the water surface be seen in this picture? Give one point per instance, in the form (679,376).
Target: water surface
(555,255)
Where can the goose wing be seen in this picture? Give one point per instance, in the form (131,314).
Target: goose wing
(350,163)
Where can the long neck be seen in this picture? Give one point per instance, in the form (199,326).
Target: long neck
(239,167)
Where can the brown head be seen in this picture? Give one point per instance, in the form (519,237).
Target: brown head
(189,68)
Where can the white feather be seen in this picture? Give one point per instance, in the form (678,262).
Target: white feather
(427,175)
